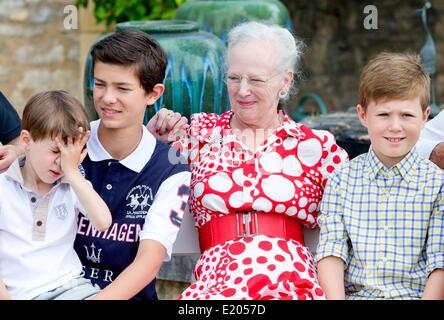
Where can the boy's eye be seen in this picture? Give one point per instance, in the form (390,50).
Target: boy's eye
(98,84)
(124,89)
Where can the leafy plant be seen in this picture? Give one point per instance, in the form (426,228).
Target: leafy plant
(114,11)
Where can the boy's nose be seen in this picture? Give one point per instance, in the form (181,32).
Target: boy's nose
(109,96)
(395,124)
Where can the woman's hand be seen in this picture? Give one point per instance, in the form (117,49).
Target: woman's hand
(167,125)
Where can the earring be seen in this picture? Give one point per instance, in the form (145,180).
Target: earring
(282,94)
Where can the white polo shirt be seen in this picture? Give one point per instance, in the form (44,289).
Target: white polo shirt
(431,135)
(36,236)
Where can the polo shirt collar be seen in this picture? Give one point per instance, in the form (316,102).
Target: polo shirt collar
(135,161)
(15,173)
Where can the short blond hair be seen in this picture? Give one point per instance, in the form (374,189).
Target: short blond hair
(393,76)
(52,114)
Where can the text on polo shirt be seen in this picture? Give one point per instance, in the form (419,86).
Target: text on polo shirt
(125,232)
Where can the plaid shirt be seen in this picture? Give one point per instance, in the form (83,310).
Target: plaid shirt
(386,224)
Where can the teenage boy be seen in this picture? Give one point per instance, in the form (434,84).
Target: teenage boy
(130,169)
(382,225)
(41,199)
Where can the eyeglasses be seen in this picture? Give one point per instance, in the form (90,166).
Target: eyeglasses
(253,81)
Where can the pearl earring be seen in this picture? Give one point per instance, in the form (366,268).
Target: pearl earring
(282,94)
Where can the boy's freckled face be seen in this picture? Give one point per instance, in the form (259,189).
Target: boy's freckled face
(394,127)
(119,99)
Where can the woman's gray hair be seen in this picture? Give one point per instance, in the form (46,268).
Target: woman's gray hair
(290,47)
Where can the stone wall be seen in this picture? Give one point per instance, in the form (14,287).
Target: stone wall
(36,52)
(339,45)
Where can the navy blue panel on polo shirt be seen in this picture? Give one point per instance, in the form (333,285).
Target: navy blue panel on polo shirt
(129,195)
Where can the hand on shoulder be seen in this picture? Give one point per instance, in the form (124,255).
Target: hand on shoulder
(8,154)
(167,125)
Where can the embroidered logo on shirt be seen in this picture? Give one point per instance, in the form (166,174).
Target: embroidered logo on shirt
(139,199)
(60,211)
(93,255)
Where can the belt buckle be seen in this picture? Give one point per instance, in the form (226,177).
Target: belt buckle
(246,221)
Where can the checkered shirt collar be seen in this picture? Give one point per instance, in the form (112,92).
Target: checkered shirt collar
(374,167)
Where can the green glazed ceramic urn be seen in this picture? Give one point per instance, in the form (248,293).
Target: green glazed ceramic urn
(219,16)
(194,73)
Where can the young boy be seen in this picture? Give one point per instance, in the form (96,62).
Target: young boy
(382,225)
(130,169)
(41,199)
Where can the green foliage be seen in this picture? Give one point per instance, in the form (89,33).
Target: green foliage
(114,11)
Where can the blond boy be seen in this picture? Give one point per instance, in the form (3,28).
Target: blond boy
(382,226)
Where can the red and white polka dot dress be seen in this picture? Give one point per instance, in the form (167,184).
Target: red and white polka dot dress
(285,175)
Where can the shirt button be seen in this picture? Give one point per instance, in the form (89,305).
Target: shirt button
(109,187)
(33,199)
(109,163)
(39,223)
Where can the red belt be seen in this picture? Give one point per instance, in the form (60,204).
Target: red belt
(249,224)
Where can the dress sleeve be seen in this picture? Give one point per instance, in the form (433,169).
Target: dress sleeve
(333,237)
(333,155)
(189,145)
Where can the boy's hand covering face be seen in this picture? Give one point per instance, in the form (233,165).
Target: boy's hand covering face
(73,152)
(167,126)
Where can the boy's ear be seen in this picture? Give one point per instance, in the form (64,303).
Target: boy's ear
(361,115)
(425,115)
(25,138)
(155,94)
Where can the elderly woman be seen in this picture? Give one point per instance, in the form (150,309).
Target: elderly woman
(257,177)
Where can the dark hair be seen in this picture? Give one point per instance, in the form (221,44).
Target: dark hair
(52,114)
(133,48)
